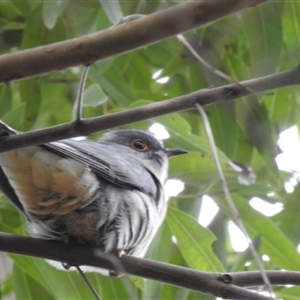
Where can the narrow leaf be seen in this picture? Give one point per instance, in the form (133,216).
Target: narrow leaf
(52,10)
(113,10)
(194,241)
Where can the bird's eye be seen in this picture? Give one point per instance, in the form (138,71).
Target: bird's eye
(139,145)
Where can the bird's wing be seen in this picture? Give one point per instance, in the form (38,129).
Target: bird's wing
(108,162)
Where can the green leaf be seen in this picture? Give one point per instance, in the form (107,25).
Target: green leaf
(27,288)
(291,293)
(289,218)
(49,278)
(199,171)
(12,7)
(113,10)
(176,125)
(10,116)
(274,242)
(112,83)
(31,96)
(116,288)
(36,34)
(5,100)
(194,241)
(6,286)
(264,30)
(291,33)
(94,96)
(52,10)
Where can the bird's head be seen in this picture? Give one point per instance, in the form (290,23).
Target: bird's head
(149,151)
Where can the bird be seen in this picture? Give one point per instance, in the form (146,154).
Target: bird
(107,194)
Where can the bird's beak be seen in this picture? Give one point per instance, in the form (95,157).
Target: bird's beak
(172,152)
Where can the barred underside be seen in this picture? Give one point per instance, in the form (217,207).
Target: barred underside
(139,216)
(119,220)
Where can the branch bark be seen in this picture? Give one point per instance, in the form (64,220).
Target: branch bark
(220,285)
(89,48)
(188,101)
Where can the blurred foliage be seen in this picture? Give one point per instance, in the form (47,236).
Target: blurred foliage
(253,43)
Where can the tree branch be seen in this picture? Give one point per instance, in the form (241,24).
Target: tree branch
(220,285)
(251,278)
(89,48)
(188,101)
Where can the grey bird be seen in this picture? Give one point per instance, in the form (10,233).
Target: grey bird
(108,194)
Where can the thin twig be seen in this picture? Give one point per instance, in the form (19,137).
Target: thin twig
(214,70)
(203,62)
(233,209)
(88,283)
(79,99)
